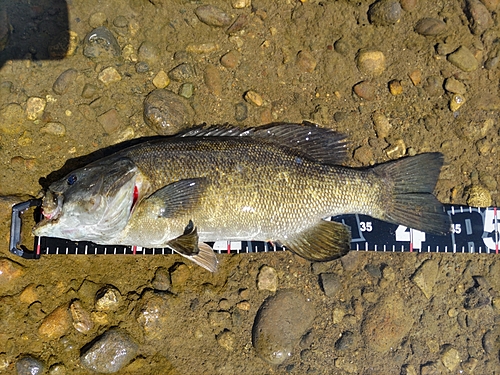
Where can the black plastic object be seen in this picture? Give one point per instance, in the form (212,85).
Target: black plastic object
(15,229)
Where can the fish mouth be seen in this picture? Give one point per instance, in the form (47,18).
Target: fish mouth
(52,206)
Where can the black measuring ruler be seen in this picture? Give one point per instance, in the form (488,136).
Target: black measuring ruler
(474,230)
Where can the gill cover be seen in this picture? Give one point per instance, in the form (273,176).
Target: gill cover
(93,202)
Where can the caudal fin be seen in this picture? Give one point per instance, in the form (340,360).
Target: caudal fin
(412,203)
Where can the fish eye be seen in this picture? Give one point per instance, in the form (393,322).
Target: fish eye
(71,179)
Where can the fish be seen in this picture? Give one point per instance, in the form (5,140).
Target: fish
(275,183)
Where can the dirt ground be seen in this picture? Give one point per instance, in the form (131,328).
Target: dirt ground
(299,61)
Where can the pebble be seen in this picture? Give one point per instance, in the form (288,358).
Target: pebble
(9,272)
(280,323)
(152,315)
(267,279)
(416,77)
(29,294)
(456,102)
(186,90)
(479,16)
(29,366)
(240,4)
(381,124)
(181,72)
(445,48)
(141,67)
(240,111)
(64,80)
(120,21)
(63,45)
(243,305)
(100,43)
(213,80)
(231,59)
(385,12)
(110,353)
(161,80)
(161,281)
(212,16)
(220,319)
(166,112)
(463,59)
(87,111)
(491,341)
(35,107)
(305,61)
(109,75)
(239,24)
(430,26)
(202,48)
(491,5)
(365,90)
(408,5)
(12,117)
(450,358)
(434,86)
(147,51)
(342,47)
(386,323)
(82,320)
(110,121)
(227,340)
(484,147)
(97,19)
(488,181)
(179,275)
(364,154)
(254,98)
(56,324)
(108,299)
(54,128)
(396,149)
(470,365)
(454,86)
(89,90)
(395,87)
(425,277)
(430,368)
(370,62)
(345,341)
(330,283)
(478,196)
(58,369)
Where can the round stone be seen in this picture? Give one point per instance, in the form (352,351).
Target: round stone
(166,112)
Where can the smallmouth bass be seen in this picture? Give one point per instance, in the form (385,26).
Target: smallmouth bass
(274,183)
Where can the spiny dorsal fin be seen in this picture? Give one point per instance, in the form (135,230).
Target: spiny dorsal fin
(320,144)
(178,197)
(325,241)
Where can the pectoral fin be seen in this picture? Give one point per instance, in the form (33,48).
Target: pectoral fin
(187,245)
(178,197)
(325,241)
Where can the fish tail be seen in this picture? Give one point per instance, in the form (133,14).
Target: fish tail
(411,202)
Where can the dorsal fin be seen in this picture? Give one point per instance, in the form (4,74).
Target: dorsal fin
(320,144)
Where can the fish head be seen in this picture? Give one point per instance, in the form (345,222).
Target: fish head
(91,203)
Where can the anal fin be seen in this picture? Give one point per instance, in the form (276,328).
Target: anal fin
(327,240)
